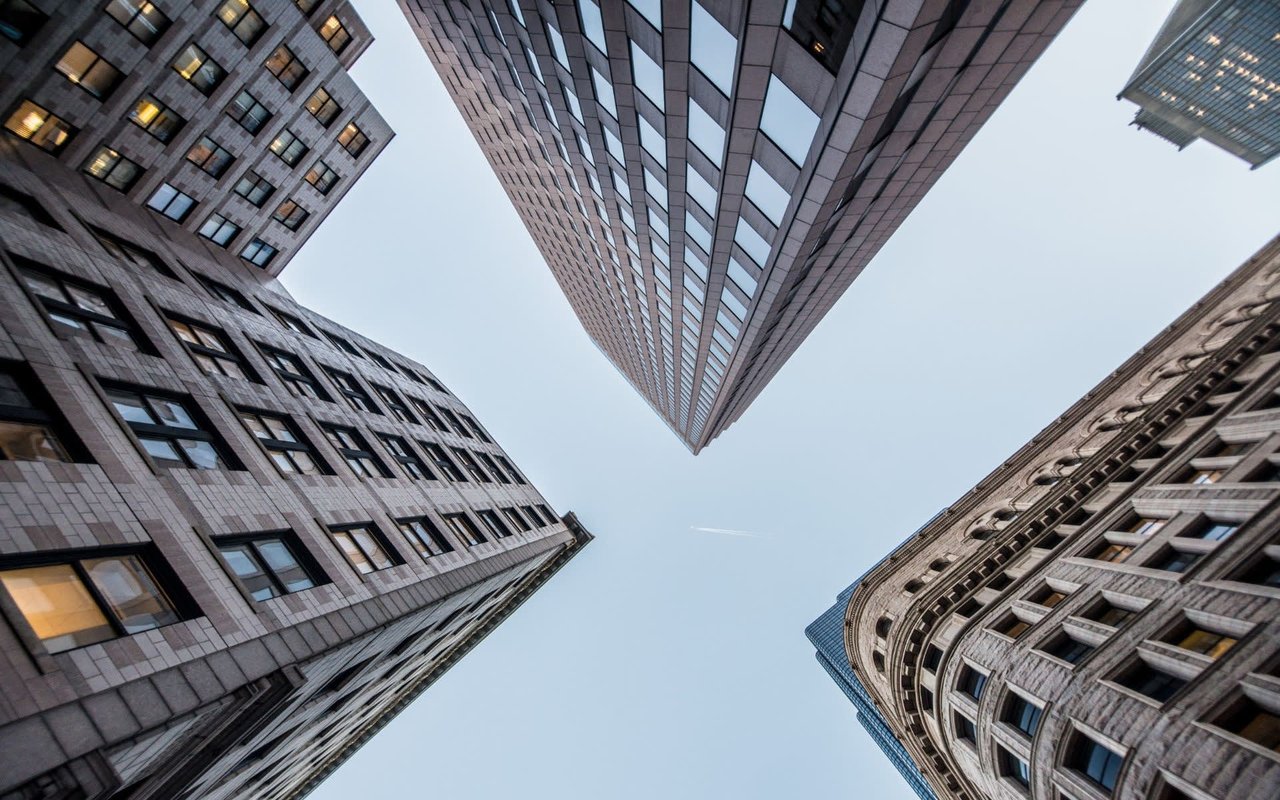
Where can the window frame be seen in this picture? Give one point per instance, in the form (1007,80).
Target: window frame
(283,448)
(204,431)
(229,352)
(336,532)
(121,320)
(290,542)
(436,537)
(356,451)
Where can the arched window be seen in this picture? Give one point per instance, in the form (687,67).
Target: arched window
(981,534)
(913,586)
(882,627)
(877,658)
(939,564)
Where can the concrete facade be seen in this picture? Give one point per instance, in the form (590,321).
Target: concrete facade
(220,147)
(1100,616)
(706,179)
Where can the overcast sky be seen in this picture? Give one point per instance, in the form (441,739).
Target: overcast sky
(668,662)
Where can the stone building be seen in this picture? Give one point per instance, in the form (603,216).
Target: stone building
(1100,616)
(236,538)
(236,120)
(1213,73)
(706,178)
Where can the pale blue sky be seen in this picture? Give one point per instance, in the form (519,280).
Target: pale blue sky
(669,663)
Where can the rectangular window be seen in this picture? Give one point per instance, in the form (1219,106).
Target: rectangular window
(1109,614)
(394,402)
(1047,596)
(76,601)
(1022,714)
(21,21)
(464,529)
(1011,626)
(511,470)
(1067,648)
(321,177)
(286,67)
(81,309)
(351,389)
(442,461)
(172,203)
(1172,560)
(1250,721)
(429,416)
(113,169)
(245,23)
(1013,768)
(454,422)
(210,156)
(1212,531)
(494,523)
(290,322)
(494,469)
(425,537)
(333,32)
(517,519)
(966,731)
(1096,762)
(39,126)
(1146,679)
(469,464)
(225,293)
(254,188)
(199,70)
(156,118)
(258,253)
(288,147)
(323,107)
(130,253)
(1262,571)
(219,230)
(295,375)
(88,70)
(170,429)
(1143,526)
(971,682)
(1189,636)
(140,17)
(286,446)
(290,214)
(364,547)
(247,111)
(1109,551)
(532,513)
(352,139)
(30,430)
(409,461)
(355,450)
(269,564)
(342,344)
(210,349)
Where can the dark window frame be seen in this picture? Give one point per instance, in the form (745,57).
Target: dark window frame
(291,543)
(278,449)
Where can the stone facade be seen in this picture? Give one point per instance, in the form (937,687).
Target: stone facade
(1100,616)
(251,181)
(706,179)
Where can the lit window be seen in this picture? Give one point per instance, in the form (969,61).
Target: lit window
(245,23)
(219,230)
(364,548)
(76,602)
(321,177)
(199,69)
(88,70)
(1250,721)
(113,169)
(290,214)
(1109,551)
(352,139)
(1012,626)
(169,430)
(288,147)
(156,118)
(247,111)
(254,188)
(258,253)
(140,17)
(1198,640)
(80,309)
(323,107)
(333,32)
(267,564)
(210,156)
(27,431)
(210,349)
(172,203)
(38,126)
(286,67)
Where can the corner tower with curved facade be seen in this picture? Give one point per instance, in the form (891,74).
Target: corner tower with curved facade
(1100,616)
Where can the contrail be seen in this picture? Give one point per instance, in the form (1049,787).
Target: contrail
(728,532)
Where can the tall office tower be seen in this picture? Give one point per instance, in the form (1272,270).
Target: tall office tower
(826,633)
(236,120)
(1100,616)
(235,538)
(706,177)
(1213,73)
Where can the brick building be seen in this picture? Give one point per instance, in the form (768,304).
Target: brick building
(705,179)
(1100,616)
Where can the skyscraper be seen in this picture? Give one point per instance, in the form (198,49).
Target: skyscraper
(235,120)
(236,538)
(1213,73)
(1100,616)
(705,179)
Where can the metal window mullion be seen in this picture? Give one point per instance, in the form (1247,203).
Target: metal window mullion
(101,601)
(266,568)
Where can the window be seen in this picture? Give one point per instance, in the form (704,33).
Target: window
(356,451)
(494,523)
(1263,571)
(29,432)
(1190,637)
(454,422)
(288,147)
(1022,714)
(247,111)
(1151,681)
(199,70)
(1200,477)
(1098,763)
(1172,560)
(323,107)
(247,24)
(295,375)
(788,120)
(75,601)
(380,361)
(1106,613)
(425,537)
(1144,525)
(225,293)
(286,67)
(290,214)
(465,529)
(209,349)
(1109,551)
(1250,721)
(40,127)
(268,564)
(517,519)
(155,118)
(494,469)
(305,6)
(932,657)
(210,156)
(82,310)
(254,188)
(1012,626)
(538,521)
(353,139)
(219,230)
(1067,648)
(113,169)
(1013,767)
(511,469)
(88,70)
(321,177)
(442,461)
(140,17)
(476,429)
(470,465)
(971,682)
(291,322)
(429,416)
(258,253)
(394,402)
(966,731)
(342,344)
(1047,596)
(1212,531)
(926,700)
(364,548)
(172,203)
(333,32)
(19,21)
(350,388)
(288,448)
(400,451)
(169,429)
